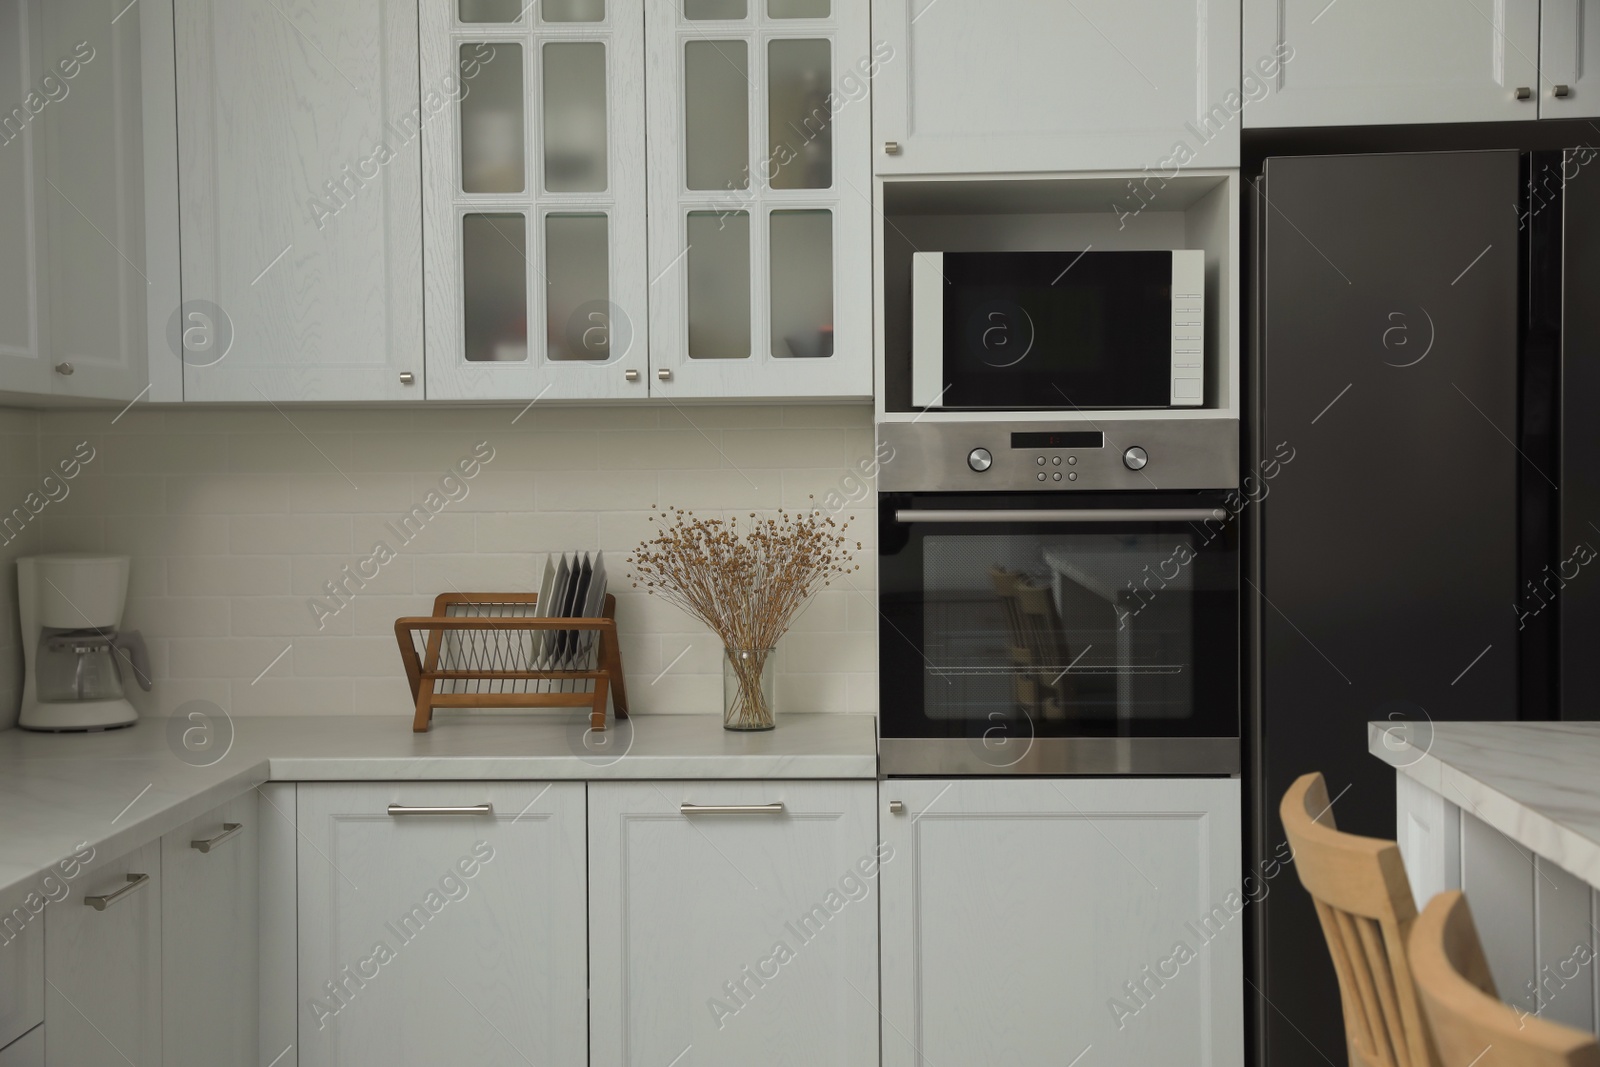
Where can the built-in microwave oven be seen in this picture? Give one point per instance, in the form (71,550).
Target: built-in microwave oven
(1090,329)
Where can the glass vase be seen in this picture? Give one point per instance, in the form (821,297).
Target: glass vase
(747,689)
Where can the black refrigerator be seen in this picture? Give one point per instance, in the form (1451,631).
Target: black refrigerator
(1425,491)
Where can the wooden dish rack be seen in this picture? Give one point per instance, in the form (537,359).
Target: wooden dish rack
(478,650)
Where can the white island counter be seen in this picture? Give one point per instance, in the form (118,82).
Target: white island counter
(1509,813)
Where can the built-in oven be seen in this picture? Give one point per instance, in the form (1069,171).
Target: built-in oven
(1051,630)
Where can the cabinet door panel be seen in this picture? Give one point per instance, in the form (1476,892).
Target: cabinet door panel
(751,938)
(1025,920)
(760,199)
(442,938)
(102,969)
(302,209)
(534,172)
(1569,35)
(1358,63)
(209,949)
(1016,85)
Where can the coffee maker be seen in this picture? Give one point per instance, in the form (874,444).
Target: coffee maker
(76,662)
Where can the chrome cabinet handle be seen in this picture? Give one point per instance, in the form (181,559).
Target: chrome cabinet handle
(229,829)
(775,808)
(1524,93)
(407,378)
(897,807)
(630,375)
(64,368)
(1065,515)
(1561,91)
(664,374)
(466,809)
(101,903)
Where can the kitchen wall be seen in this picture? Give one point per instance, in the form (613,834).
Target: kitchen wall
(19,476)
(238,520)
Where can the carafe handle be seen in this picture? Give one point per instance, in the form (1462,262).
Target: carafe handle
(131,645)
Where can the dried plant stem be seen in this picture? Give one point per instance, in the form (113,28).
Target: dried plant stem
(747,584)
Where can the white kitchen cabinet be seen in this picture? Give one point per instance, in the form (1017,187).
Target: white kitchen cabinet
(209,950)
(1569,49)
(442,938)
(534,180)
(1359,62)
(1025,920)
(102,968)
(748,935)
(88,252)
(1008,86)
(22,955)
(760,198)
(299,165)
(25,1051)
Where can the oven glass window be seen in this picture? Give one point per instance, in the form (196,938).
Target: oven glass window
(1080,629)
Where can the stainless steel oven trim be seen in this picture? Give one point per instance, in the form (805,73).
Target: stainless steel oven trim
(1124,515)
(982,757)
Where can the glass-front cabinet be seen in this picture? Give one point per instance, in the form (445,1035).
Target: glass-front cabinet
(544,277)
(760,198)
(532,114)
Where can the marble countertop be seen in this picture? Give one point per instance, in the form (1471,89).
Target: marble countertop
(118,789)
(1536,782)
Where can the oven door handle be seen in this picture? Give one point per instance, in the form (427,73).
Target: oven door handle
(909,515)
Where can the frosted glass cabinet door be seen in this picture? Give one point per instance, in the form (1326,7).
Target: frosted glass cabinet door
(534,199)
(1019,85)
(301,209)
(760,198)
(1421,61)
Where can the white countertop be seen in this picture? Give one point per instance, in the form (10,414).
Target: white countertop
(1536,782)
(119,789)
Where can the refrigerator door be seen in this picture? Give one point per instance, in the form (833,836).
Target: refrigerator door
(1385,488)
(1577,563)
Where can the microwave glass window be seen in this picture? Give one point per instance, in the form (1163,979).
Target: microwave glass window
(1056,329)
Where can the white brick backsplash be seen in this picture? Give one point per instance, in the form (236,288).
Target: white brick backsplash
(237,518)
(288,534)
(227,575)
(289,616)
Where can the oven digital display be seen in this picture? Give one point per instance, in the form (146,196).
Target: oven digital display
(1072,439)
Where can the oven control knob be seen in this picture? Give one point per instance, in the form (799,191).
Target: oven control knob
(1135,458)
(980,460)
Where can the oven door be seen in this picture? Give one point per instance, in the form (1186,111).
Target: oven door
(1082,633)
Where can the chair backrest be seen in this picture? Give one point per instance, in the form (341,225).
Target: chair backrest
(1470,1024)
(1363,900)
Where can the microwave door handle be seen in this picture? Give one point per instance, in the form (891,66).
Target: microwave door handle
(910,515)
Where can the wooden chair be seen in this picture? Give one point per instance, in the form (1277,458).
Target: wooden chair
(1470,1024)
(1037,645)
(1364,902)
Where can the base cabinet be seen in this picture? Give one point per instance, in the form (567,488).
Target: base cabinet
(209,949)
(434,937)
(102,968)
(746,933)
(1026,921)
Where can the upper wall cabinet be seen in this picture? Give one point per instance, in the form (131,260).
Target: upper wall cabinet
(1017,85)
(1569,36)
(88,252)
(1355,63)
(760,198)
(534,177)
(299,165)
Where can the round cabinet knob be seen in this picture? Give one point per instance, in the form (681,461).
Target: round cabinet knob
(64,368)
(980,460)
(1135,458)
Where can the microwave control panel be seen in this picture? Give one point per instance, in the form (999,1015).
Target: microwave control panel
(1131,455)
